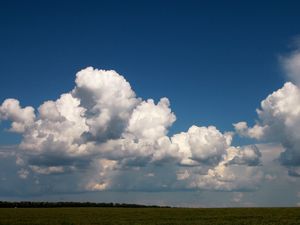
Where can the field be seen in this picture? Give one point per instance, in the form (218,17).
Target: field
(131,216)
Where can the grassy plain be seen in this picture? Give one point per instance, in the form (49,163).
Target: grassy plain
(147,216)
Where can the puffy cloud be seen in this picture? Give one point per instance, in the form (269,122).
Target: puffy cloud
(279,121)
(246,155)
(228,178)
(238,170)
(150,121)
(21,117)
(279,116)
(291,64)
(108,100)
(256,131)
(100,136)
(201,145)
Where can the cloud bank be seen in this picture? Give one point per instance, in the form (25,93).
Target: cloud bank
(101,136)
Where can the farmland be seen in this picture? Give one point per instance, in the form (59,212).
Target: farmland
(131,216)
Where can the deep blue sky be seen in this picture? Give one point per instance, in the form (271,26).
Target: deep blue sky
(214,60)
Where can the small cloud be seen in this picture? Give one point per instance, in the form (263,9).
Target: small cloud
(237,197)
(23,174)
(291,63)
(183,175)
(150,175)
(47,170)
(270,177)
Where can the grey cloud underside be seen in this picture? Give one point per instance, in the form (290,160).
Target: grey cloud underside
(102,136)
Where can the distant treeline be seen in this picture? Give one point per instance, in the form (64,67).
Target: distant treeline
(28,204)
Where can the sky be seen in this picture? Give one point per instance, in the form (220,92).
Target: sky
(182,103)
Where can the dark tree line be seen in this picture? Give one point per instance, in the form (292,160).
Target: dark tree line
(28,204)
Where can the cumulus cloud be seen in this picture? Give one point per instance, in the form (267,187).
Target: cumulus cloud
(21,117)
(291,64)
(238,170)
(201,145)
(279,117)
(150,121)
(108,100)
(279,120)
(246,155)
(256,131)
(103,137)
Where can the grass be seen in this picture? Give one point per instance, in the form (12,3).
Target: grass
(147,216)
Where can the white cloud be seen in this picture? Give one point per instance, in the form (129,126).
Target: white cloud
(201,145)
(291,65)
(21,117)
(256,131)
(279,116)
(150,121)
(108,100)
(279,121)
(238,170)
(104,137)
(59,127)
(246,155)
(229,178)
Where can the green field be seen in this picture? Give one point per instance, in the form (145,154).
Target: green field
(131,216)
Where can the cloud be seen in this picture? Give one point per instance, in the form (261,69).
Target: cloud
(101,136)
(279,117)
(21,117)
(246,155)
(238,170)
(237,197)
(256,131)
(279,121)
(108,100)
(291,64)
(150,121)
(201,145)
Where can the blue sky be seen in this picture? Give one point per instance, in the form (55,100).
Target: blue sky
(204,51)
(215,62)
